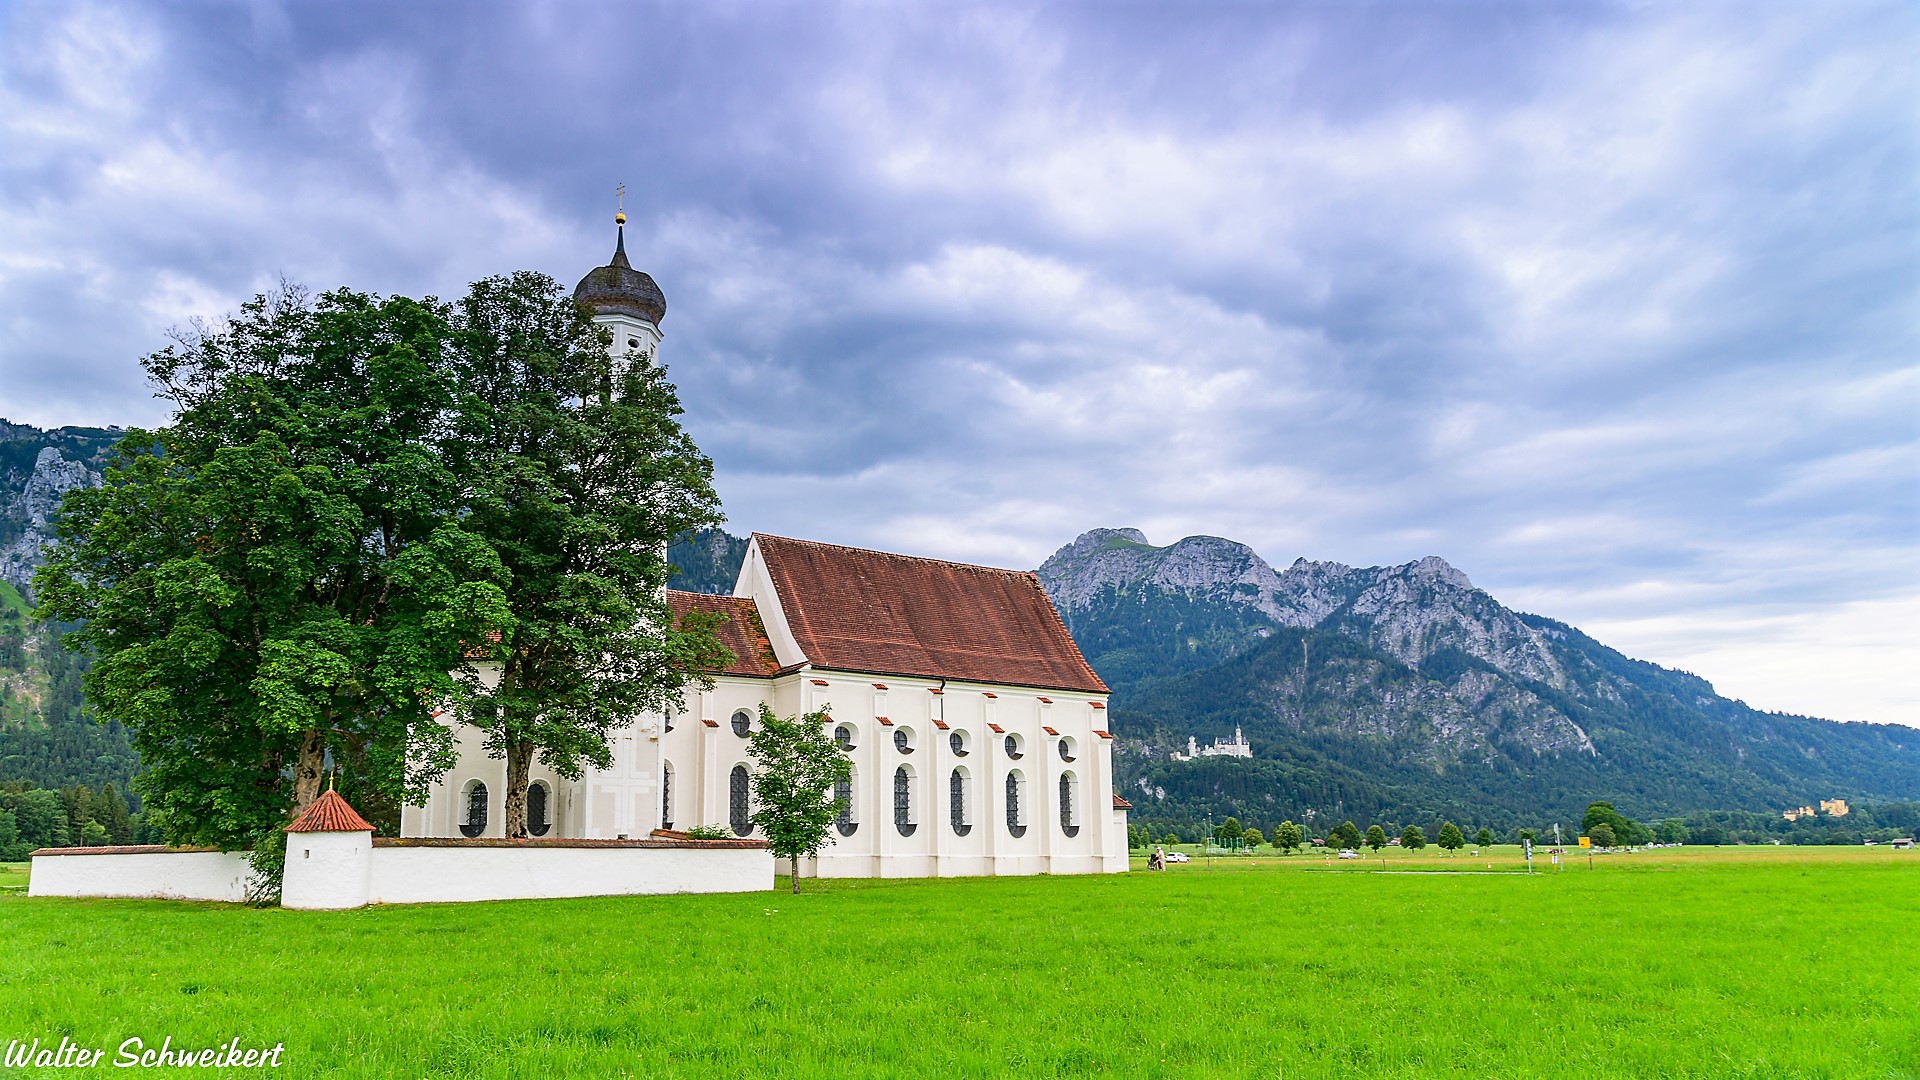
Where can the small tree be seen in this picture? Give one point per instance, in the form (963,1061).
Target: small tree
(1287,837)
(1252,838)
(1346,835)
(1527,835)
(1413,838)
(1602,835)
(1484,837)
(1376,838)
(1227,832)
(1450,837)
(1672,831)
(797,768)
(1170,839)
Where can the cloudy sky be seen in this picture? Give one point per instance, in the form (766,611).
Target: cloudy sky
(1616,308)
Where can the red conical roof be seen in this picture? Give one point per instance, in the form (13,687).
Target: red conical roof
(329,813)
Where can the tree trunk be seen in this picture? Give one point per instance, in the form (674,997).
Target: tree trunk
(514,809)
(795,863)
(308,765)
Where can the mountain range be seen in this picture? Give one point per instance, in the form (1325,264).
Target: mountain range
(1405,693)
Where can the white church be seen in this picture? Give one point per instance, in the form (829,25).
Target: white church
(976,731)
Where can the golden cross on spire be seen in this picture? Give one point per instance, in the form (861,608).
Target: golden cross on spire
(620,207)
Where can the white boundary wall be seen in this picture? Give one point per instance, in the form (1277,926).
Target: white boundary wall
(432,875)
(140,873)
(335,871)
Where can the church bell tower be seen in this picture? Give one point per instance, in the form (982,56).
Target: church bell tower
(623,299)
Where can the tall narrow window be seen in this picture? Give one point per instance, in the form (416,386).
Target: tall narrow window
(1016,815)
(1069,821)
(843,795)
(476,822)
(738,811)
(903,801)
(537,823)
(957,803)
(666,795)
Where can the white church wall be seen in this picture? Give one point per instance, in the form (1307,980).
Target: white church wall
(145,872)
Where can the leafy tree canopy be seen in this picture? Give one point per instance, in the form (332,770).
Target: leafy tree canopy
(279,574)
(576,475)
(1413,838)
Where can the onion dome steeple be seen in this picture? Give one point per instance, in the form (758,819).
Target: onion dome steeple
(617,288)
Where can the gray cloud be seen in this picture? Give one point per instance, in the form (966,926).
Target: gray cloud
(1612,306)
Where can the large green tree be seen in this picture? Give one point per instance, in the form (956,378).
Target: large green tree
(796,765)
(1376,838)
(1450,837)
(279,576)
(1413,838)
(578,475)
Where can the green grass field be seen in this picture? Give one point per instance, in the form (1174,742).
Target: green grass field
(1747,962)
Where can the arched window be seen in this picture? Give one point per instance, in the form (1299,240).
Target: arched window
(1066,749)
(843,737)
(957,808)
(1013,747)
(474,805)
(666,719)
(666,794)
(739,811)
(1069,817)
(537,820)
(843,795)
(742,723)
(1016,799)
(957,740)
(903,801)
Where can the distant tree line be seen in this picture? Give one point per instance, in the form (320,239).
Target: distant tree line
(34,817)
(1607,826)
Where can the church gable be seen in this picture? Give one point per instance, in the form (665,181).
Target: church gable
(850,609)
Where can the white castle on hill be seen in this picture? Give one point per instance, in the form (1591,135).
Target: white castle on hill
(977,732)
(1234,747)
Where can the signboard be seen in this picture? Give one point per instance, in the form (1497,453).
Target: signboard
(1586,841)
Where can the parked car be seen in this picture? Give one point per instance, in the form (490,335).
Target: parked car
(1177,856)
(1346,854)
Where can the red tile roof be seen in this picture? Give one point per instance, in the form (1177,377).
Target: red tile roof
(739,631)
(941,724)
(884,722)
(1049,730)
(871,612)
(989,693)
(329,813)
(1097,704)
(819,682)
(997,729)
(1102,734)
(1046,701)
(1121,804)
(710,721)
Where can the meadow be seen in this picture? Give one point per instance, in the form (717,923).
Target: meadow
(1733,962)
